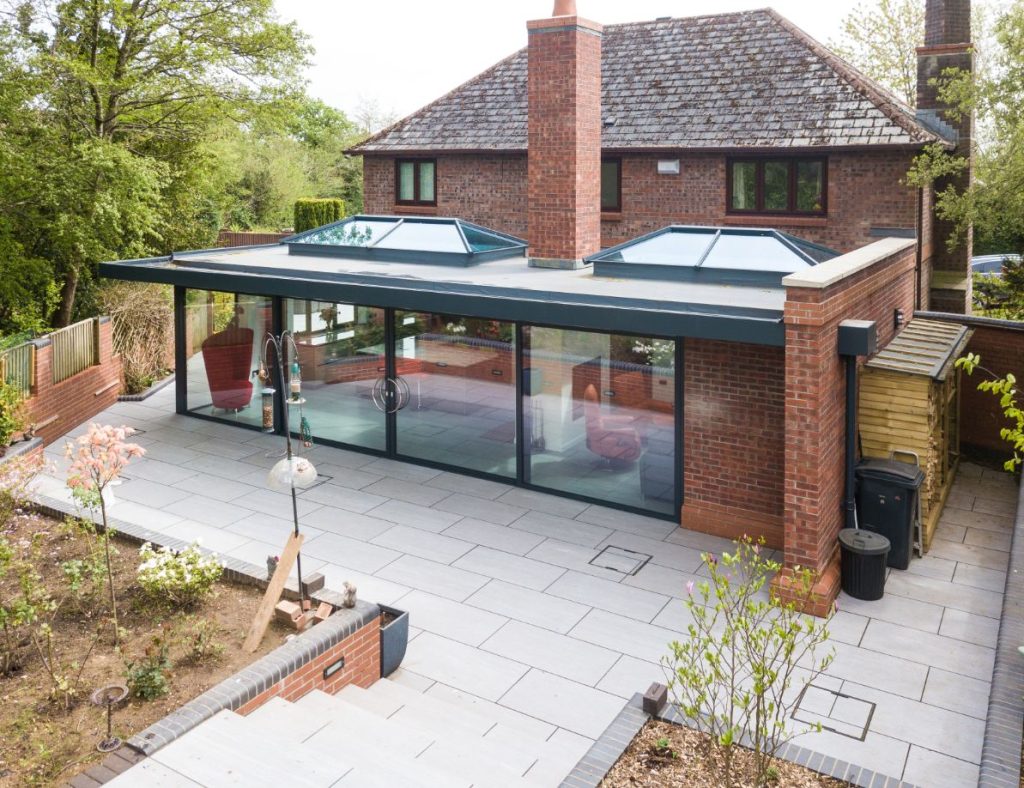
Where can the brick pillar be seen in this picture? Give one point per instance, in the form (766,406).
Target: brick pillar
(947,45)
(564,195)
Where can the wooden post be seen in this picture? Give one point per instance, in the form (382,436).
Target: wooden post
(266,609)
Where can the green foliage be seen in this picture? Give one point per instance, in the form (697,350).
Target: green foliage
(12,413)
(1005,389)
(313,213)
(737,672)
(199,638)
(147,676)
(1001,296)
(184,579)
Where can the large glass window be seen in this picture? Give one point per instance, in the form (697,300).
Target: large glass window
(415,182)
(599,416)
(456,391)
(777,186)
(223,334)
(342,365)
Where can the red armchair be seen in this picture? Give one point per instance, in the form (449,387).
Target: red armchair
(227,356)
(611,437)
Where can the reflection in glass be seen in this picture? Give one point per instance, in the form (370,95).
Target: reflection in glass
(599,416)
(407,181)
(809,183)
(776,186)
(223,332)
(744,186)
(341,358)
(457,391)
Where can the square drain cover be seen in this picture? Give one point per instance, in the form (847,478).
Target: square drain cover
(835,711)
(619,559)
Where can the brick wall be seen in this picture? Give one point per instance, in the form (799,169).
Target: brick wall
(734,439)
(361,651)
(865,192)
(1001,347)
(815,412)
(57,408)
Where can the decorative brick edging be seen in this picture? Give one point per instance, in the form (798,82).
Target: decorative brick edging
(607,750)
(144,395)
(601,757)
(1004,723)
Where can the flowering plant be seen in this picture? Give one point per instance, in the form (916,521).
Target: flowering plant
(184,578)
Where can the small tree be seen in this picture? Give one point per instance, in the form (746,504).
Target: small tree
(313,213)
(98,458)
(1005,388)
(747,656)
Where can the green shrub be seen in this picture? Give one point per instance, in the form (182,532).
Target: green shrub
(311,213)
(12,413)
(147,677)
(183,579)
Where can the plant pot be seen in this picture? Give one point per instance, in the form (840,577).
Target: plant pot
(394,639)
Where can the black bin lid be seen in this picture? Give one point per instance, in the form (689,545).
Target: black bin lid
(862,542)
(902,473)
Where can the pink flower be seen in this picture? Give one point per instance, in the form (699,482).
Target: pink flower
(689,588)
(712,559)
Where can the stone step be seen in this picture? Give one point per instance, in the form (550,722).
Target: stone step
(291,724)
(362,723)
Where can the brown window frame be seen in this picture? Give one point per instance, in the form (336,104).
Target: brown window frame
(417,165)
(792,162)
(617,208)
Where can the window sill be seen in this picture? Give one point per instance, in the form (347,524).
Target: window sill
(775,220)
(416,210)
(611,216)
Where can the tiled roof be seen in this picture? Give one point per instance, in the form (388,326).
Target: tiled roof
(749,79)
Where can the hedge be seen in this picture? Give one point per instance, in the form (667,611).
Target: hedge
(311,213)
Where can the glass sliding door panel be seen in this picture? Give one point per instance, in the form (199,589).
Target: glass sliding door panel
(599,416)
(223,335)
(341,359)
(456,388)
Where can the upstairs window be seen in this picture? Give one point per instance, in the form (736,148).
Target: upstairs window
(777,186)
(415,182)
(611,185)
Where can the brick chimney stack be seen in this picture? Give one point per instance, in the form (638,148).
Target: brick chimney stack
(947,44)
(564,192)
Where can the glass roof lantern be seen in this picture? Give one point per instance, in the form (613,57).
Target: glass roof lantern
(711,255)
(414,239)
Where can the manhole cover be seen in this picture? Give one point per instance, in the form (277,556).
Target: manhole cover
(834,711)
(619,559)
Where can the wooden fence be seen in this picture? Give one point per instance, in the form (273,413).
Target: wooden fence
(18,368)
(75,348)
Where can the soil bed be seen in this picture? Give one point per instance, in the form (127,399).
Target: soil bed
(686,762)
(41,743)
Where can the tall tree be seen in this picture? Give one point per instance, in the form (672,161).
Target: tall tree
(881,39)
(127,89)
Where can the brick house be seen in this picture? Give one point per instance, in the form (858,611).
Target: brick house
(691,373)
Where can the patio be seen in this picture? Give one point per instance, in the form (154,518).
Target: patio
(511,602)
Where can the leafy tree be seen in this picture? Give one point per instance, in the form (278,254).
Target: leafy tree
(881,39)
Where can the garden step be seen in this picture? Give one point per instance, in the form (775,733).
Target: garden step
(444,726)
(533,729)
(290,723)
(362,723)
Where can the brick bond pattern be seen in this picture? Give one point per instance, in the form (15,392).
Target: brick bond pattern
(63,406)
(1000,343)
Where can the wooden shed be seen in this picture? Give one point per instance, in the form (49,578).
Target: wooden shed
(910,405)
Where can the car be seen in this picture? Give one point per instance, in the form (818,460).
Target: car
(991,264)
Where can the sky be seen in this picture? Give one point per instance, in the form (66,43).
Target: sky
(403,54)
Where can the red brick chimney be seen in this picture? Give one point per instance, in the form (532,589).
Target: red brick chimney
(564,196)
(947,44)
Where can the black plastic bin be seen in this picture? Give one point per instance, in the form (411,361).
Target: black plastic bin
(863,555)
(887,504)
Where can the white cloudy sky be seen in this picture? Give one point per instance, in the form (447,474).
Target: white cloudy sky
(406,53)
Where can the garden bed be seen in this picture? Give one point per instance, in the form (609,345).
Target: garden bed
(664,754)
(45,744)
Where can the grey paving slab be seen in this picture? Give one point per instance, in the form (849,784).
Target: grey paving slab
(542,502)
(358,501)
(993,540)
(956,596)
(950,532)
(704,543)
(352,553)
(255,552)
(172,436)
(970,627)
(153,494)
(511,568)
(345,523)
(882,754)
(934,567)
(157,519)
(411,492)
(551,652)
(627,635)
(847,627)
(510,725)
(561,528)
(342,476)
(276,504)
(440,579)
(454,620)
(368,587)
(901,610)
(607,595)
(219,447)
(957,692)
(208,536)
(980,577)
(1002,508)
(532,607)
(414,541)
(627,521)
(215,487)
(630,675)
(159,471)
(488,676)
(480,508)
(207,510)
(973,519)
(936,770)
(481,488)
(404,513)
(500,537)
(267,528)
(572,556)
(661,580)
(400,470)
(575,707)
(891,674)
(970,554)
(674,556)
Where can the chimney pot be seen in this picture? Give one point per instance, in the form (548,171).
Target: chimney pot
(564,8)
